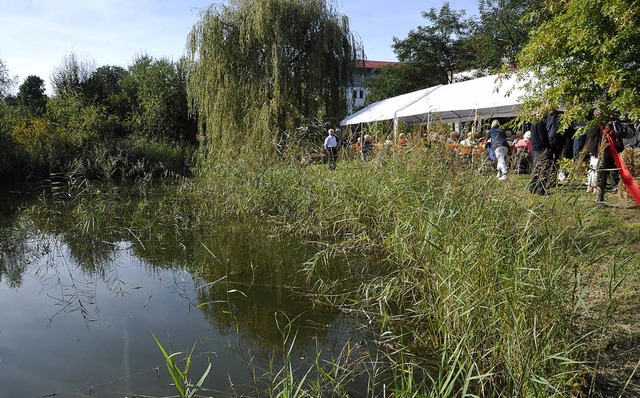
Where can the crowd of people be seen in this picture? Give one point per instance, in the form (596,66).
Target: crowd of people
(537,151)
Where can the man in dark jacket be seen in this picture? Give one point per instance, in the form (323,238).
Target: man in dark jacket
(543,168)
(552,121)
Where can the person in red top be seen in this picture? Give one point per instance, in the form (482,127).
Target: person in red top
(525,142)
(401,140)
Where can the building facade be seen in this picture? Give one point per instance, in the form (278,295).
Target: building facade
(357,92)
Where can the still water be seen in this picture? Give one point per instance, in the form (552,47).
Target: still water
(83,292)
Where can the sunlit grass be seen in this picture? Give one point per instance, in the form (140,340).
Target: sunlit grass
(466,285)
(478,287)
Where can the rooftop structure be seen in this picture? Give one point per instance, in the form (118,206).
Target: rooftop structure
(357,92)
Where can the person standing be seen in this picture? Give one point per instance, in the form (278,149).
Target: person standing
(331,146)
(605,162)
(592,142)
(500,148)
(543,168)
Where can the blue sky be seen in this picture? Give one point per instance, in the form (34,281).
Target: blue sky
(36,35)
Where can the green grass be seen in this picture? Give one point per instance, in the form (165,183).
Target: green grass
(466,286)
(184,387)
(479,287)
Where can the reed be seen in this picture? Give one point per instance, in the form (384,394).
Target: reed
(476,285)
(184,387)
(470,286)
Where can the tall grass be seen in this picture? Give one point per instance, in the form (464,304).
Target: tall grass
(469,286)
(184,387)
(474,286)
(123,158)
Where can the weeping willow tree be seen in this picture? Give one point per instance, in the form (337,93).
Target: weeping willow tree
(263,67)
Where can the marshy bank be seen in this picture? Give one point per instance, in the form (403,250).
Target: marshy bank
(475,287)
(90,272)
(438,281)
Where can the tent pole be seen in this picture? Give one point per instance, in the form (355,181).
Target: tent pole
(361,154)
(395,128)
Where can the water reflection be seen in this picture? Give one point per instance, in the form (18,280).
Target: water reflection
(85,284)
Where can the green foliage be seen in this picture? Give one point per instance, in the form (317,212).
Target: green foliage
(585,54)
(157,93)
(105,88)
(31,94)
(9,150)
(69,78)
(501,32)
(180,377)
(79,140)
(104,83)
(139,157)
(80,124)
(469,287)
(485,284)
(429,55)
(400,79)
(440,47)
(260,67)
(88,128)
(5,80)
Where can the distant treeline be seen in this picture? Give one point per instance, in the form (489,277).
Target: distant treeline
(105,122)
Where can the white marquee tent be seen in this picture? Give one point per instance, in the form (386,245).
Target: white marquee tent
(487,96)
(386,109)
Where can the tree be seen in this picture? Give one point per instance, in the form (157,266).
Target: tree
(502,31)
(157,91)
(6,82)
(398,79)
(262,67)
(105,88)
(68,79)
(429,55)
(440,49)
(31,94)
(587,53)
(4,78)
(104,83)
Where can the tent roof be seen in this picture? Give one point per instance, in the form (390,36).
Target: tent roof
(385,109)
(488,96)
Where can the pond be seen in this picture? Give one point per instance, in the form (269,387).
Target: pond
(83,297)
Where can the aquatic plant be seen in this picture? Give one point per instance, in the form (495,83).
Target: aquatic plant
(464,286)
(180,377)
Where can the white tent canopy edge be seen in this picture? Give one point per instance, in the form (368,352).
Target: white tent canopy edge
(486,97)
(387,108)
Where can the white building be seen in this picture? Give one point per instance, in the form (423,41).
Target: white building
(357,92)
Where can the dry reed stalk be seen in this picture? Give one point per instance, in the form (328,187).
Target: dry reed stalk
(631,158)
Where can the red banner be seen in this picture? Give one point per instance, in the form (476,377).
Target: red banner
(625,175)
